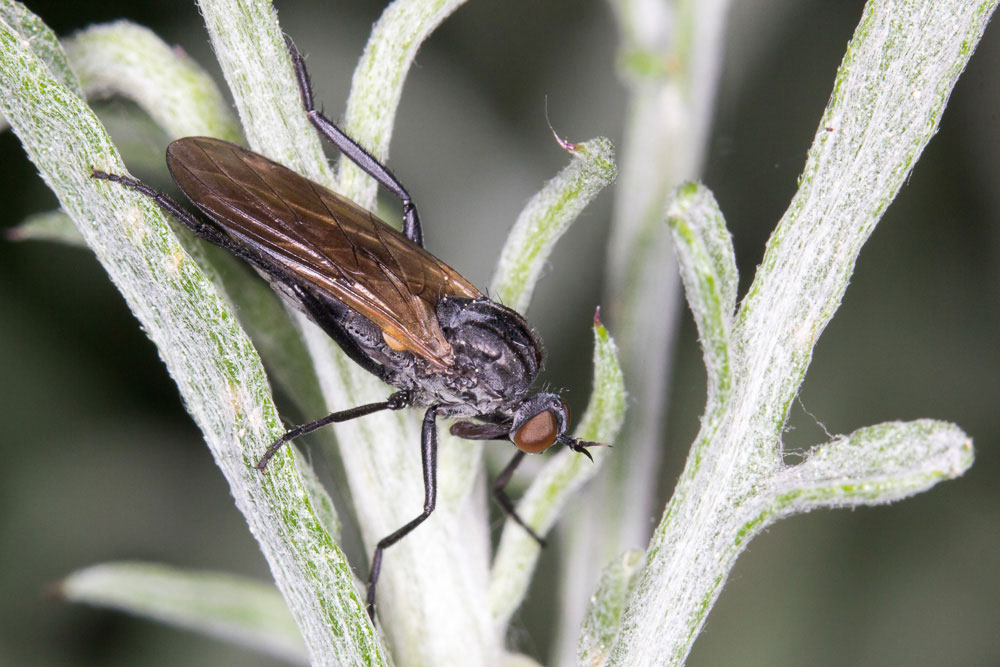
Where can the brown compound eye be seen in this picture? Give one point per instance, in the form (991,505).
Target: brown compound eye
(538,433)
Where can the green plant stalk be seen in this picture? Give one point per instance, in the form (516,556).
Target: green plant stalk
(435,584)
(669,60)
(380,452)
(43,43)
(600,625)
(888,98)
(200,343)
(670,108)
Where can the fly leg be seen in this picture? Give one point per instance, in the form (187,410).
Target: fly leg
(428,456)
(349,147)
(397,401)
(203,229)
(200,227)
(504,500)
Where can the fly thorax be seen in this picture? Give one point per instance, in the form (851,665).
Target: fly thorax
(496,354)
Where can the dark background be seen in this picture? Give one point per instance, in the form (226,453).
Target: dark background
(100,461)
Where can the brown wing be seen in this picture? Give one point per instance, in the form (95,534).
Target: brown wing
(328,242)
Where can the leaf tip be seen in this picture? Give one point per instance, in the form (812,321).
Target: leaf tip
(565,144)
(600,330)
(964,457)
(684,196)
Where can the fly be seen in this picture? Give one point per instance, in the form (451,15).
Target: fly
(397,310)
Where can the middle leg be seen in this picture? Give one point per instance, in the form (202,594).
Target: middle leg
(428,453)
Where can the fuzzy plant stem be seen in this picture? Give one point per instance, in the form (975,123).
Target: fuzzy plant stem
(889,94)
(668,59)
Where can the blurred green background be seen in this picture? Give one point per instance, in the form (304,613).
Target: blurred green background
(100,461)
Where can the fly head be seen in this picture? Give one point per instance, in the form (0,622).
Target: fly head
(536,424)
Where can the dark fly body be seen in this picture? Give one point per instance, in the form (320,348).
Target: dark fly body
(395,309)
